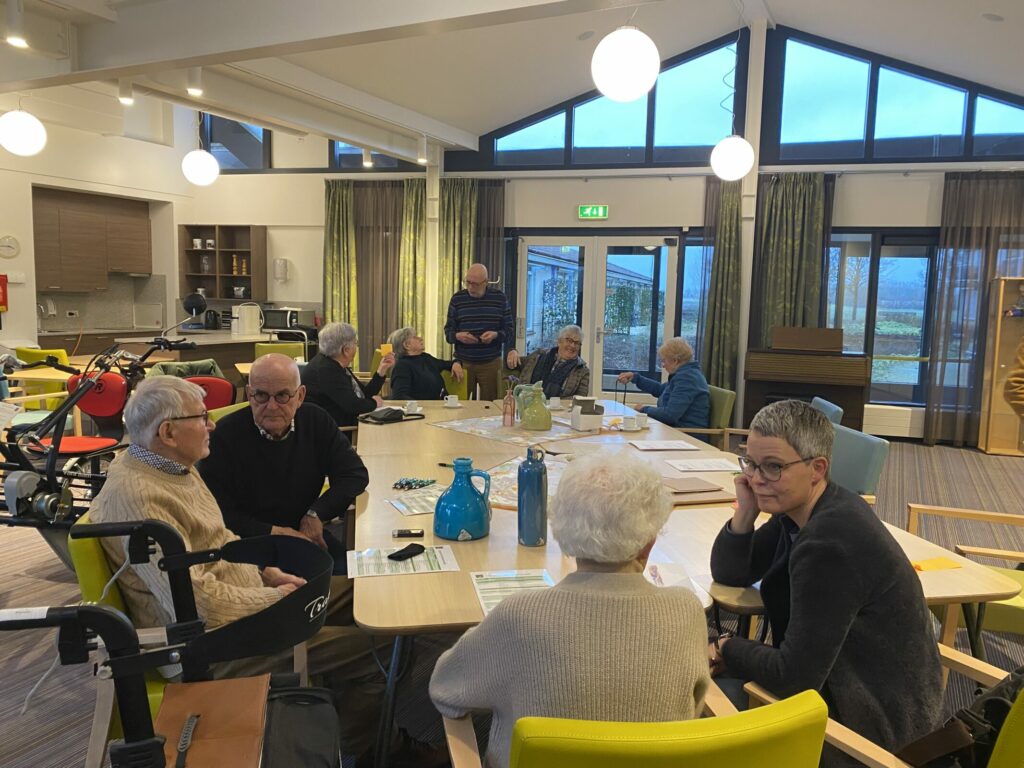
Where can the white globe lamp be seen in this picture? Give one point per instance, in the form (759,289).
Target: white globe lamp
(625,64)
(732,158)
(200,167)
(21,133)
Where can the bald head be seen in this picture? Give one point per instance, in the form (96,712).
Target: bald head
(276,368)
(476,280)
(272,377)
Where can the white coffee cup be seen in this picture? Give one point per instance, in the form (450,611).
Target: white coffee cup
(451,401)
(209,243)
(641,421)
(629,423)
(412,407)
(197,242)
(554,402)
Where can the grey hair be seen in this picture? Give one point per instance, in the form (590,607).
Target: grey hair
(570,329)
(677,348)
(334,337)
(398,339)
(608,507)
(155,400)
(807,430)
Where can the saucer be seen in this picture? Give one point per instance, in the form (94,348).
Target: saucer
(556,407)
(457,405)
(635,429)
(412,412)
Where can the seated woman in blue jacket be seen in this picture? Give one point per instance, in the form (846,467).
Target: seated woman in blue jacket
(683,400)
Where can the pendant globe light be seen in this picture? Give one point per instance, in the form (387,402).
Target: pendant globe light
(199,166)
(625,64)
(732,158)
(21,133)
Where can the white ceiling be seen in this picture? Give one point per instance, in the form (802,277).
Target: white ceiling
(381,72)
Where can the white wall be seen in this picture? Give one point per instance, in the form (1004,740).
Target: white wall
(888,200)
(303,247)
(89,162)
(298,151)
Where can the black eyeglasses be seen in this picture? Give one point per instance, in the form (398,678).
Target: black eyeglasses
(770,470)
(205,416)
(262,397)
(574,342)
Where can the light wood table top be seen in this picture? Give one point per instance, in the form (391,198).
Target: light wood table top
(40,374)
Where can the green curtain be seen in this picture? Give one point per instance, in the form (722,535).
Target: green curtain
(412,256)
(792,222)
(720,338)
(339,253)
(457,226)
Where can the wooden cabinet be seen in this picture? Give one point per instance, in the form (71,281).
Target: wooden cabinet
(230,264)
(129,245)
(1001,430)
(79,238)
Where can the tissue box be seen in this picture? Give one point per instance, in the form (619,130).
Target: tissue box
(585,422)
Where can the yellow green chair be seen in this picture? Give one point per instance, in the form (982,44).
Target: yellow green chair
(453,387)
(789,733)
(30,355)
(1000,615)
(93,572)
(219,413)
(720,417)
(291,349)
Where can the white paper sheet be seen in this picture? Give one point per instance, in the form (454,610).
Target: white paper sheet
(664,445)
(374,562)
(494,586)
(419,501)
(704,465)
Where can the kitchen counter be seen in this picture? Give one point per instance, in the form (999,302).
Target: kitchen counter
(210,338)
(100,332)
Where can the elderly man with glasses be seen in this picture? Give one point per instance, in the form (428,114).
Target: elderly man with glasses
(846,609)
(268,463)
(480,324)
(560,368)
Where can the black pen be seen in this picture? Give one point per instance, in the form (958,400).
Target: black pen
(446,466)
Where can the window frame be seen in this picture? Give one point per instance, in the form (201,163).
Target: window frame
(484,158)
(774,71)
(692,237)
(205,141)
(404,166)
(883,236)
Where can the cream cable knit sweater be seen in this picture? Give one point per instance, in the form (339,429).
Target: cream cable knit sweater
(223,591)
(597,646)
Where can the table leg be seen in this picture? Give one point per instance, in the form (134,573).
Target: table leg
(399,656)
(76,421)
(947,634)
(973,621)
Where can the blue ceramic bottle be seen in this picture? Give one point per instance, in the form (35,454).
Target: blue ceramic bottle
(463,513)
(533,498)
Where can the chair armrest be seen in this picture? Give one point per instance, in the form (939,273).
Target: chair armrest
(462,746)
(36,398)
(156,636)
(353,428)
(839,736)
(1001,554)
(701,431)
(970,667)
(914,512)
(716,703)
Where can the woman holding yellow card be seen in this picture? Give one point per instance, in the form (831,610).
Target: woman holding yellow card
(329,380)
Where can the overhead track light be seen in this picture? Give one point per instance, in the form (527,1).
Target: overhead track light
(421,153)
(16,24)
(195,81)
(367,159)
(21,133)
(125,92)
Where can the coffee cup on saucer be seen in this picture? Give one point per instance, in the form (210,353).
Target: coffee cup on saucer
(451,401)
(555,403)
(641,421)
(629,424)
(412,407)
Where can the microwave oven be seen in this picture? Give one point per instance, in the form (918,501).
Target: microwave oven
(283,318)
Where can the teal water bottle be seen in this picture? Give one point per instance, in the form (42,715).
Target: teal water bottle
(533,499)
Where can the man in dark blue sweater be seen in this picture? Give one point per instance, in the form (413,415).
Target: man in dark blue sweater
(479,325)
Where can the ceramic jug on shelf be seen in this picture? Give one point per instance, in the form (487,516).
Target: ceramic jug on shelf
(533,409)
(462,512)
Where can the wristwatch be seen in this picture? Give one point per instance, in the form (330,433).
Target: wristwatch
(311,513)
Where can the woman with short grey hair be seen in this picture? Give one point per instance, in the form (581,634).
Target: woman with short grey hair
(417,375)
(604,644)
(330,382)
(560,369)
(684,400)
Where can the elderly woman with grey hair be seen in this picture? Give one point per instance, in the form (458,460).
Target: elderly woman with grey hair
(560,368)
(683,400)
(329,380)
(417,375)
(846,608)
(604,644)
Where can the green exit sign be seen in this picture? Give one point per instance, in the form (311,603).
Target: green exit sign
(593,211)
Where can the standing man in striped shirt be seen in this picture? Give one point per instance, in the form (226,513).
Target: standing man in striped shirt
(479,324)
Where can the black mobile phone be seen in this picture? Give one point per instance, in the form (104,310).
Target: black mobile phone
(406,552)
(407,533)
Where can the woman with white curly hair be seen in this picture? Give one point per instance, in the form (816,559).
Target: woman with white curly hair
(604,644)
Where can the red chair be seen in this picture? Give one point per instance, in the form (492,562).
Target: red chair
(106,398)
(217,392)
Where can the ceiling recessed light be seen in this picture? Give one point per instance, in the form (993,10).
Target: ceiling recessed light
(992,17)
(585,35)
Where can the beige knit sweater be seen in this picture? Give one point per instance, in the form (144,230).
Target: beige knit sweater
(597,646)
(223,591)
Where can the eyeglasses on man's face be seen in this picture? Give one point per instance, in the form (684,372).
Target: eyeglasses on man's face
(262,398)
(474,283)
(770,470)
(205,416)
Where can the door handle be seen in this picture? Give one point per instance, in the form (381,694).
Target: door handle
(520,327)
(598,333)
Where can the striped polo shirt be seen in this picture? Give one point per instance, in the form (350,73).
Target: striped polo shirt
(490,312)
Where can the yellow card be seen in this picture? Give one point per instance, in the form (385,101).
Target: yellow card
(935,564)
(385,349)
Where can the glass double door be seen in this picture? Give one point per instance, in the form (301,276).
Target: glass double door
(614,288)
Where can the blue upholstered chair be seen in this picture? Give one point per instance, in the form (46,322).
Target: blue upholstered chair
(857,459)
(832,411)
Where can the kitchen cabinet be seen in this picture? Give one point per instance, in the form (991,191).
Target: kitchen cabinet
(129,248)
(83,250)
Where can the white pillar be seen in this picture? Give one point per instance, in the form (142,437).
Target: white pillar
(431,283)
